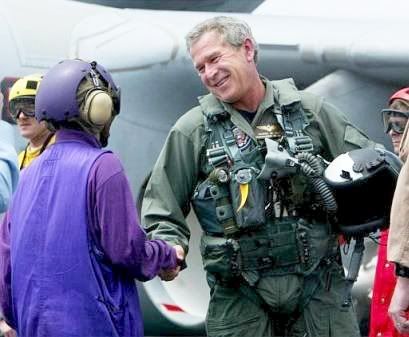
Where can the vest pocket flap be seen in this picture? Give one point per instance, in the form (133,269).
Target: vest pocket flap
(355,137)
(204,205)
(248,198)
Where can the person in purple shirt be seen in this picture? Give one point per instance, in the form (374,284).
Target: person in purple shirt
(70,244)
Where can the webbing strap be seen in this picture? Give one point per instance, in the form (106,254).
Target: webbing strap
(295,121)
(227,152)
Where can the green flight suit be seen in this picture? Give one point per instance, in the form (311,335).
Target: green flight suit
(182,166)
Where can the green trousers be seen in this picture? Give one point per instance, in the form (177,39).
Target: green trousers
(277,309)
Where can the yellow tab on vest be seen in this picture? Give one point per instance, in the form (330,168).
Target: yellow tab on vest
(244,192)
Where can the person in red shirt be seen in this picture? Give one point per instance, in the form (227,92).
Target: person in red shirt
(395,119)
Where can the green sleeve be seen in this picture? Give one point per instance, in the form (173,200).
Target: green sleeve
(167,197)
(338,134)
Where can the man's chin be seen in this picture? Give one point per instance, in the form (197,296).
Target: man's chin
(223,98)
(27,135)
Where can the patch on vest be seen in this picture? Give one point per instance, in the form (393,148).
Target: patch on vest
(243,141)
(273,131)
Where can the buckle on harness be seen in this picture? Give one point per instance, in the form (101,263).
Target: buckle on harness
(300,143)
(217,156)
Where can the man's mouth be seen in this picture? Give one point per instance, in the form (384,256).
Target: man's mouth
(221,82)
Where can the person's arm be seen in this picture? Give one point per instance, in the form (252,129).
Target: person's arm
(9,171)
(399,306)
(5,271)
(167,197)
(398,248)
(398,251)
(115,223)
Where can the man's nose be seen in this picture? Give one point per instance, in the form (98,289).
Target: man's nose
(21,115)
(211,71)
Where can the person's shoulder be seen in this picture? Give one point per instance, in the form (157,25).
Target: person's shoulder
(311,102)
(190,121)
(106,165)
(6,133)
(289,94)
(108,159)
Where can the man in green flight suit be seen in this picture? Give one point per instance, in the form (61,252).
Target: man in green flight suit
(270,253)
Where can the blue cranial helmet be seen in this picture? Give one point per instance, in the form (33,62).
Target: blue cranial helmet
(56,98)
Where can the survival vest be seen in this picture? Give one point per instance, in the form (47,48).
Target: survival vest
(244,232)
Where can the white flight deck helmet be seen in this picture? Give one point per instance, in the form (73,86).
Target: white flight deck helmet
(363,182)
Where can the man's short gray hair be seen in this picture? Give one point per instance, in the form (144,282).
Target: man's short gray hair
(233,31)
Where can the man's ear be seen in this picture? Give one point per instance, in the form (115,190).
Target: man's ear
(249,49)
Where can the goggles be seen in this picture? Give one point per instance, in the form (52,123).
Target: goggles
(398,124)
(22,105)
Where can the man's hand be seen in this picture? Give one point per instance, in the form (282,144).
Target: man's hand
(170,274)
(6,330)
(398,309)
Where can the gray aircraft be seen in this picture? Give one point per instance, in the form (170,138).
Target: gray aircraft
(356,63)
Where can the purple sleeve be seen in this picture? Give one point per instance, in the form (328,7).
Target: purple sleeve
(5,271)
(115,226)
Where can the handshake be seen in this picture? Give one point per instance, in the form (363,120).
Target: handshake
(171,273)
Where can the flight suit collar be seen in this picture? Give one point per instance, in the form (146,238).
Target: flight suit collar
(240,121)
(285,92)
(67,135)
(282,92)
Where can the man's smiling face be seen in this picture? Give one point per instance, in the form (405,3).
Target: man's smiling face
(223,68)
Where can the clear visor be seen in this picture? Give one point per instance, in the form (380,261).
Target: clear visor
(394,120)
(24,105)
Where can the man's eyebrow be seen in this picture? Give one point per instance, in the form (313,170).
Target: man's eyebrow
(209,56)
(213,54)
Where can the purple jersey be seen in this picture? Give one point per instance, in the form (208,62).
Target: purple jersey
(71,246)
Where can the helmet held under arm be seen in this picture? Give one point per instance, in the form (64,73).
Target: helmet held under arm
(363,182)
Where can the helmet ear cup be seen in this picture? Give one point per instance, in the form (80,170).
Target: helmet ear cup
(97,108)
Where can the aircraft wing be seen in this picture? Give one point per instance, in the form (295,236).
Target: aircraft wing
(236,6)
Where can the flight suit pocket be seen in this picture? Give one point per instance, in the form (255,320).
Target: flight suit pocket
(248,198)
(204,206)
(220,257)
